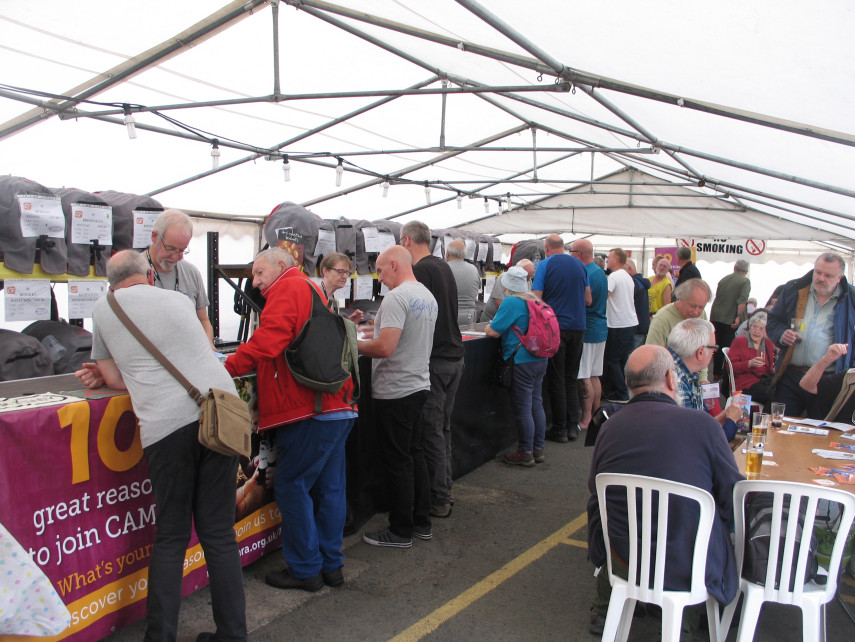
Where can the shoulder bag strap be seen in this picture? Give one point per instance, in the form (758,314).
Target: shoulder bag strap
(194,393)
(801,304)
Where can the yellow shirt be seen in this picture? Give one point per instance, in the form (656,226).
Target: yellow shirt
(655,294)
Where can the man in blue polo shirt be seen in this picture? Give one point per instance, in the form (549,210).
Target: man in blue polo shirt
(596,331)
(562,281)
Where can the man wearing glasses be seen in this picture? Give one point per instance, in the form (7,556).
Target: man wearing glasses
(692,344)
(170,238)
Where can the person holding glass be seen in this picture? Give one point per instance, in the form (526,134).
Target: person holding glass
(528,371)
(335,272)
(753,359)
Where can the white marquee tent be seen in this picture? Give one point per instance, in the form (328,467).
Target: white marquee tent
(669,118)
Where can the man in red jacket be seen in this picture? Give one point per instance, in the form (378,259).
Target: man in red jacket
(311,445)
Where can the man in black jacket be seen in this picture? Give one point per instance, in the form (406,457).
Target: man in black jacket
(688,270)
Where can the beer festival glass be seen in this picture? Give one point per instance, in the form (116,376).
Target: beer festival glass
(753,455)
(760,425)
(778,415)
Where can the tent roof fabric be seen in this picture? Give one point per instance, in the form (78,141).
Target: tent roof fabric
(731,118)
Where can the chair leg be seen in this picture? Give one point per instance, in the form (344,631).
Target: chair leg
(714,621)
(811,622)
(626,620)
(672,619)
(727,616)
(615,614)
(751,603)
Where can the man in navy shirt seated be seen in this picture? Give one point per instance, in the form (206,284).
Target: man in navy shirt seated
(653,436)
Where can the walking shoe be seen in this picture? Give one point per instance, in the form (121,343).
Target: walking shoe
(519,457)
(333,578)
(558,435)
(539,457)
(573,432)
(598,623)
(284,580)
(422,532)
(440,510)
(206,636)
(386,537)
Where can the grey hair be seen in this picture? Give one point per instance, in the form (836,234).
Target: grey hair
(757,317)
(831,257)
(168,218)
(123,265)
(741,266)
(684,253)
(653,374)
(686,288)
(275,254)
(417,231)
(456,249)
(688,336)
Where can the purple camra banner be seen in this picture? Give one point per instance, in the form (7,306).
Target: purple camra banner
(77,497)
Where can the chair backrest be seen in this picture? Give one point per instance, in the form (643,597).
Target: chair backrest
(641,579)
(785,528)
(726,352)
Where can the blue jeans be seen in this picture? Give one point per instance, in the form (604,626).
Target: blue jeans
(310,492)
(192,484)
(527,402)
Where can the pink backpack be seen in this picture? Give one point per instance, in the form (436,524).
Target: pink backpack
(544,335)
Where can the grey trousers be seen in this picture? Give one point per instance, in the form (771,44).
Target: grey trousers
(436,424)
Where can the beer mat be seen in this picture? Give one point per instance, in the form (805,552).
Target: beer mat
(847,436)
(833,454)
(35,401)
(95,393)
(805,430)
(824,481)
(846,478)
(768,462)
(839,446)
(830,472)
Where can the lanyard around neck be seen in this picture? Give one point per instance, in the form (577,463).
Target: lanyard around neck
(157,274)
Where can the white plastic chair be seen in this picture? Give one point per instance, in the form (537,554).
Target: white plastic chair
(810,597)
(625,592)
(729,365)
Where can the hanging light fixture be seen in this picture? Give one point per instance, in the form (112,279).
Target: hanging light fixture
(427,192)
(215,154)
(385,186)
(486,206)
(286,168)
(459,201)
(508,202)
(339,172)
(129,123)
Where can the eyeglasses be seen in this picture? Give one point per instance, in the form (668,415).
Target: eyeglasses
(173,250)
(340,271)
(575,252)
(713,348)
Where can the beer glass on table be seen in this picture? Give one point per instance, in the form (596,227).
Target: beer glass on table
(778,414)
(753,455)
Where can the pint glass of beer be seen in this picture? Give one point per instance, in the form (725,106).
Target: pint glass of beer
(753,455)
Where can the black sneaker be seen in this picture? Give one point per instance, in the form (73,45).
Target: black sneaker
(573,432)
(539,457)
(386,537)
(558,435)
(422,532)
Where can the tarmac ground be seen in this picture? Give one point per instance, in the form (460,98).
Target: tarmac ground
(510,563)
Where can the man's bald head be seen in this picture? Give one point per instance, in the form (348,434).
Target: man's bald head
(526,265)
(127,265)
(647,370)
(394,266)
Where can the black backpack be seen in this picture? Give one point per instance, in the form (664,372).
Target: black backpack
(324,354)
(758,529)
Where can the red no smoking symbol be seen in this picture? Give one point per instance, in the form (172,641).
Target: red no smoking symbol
(755,247)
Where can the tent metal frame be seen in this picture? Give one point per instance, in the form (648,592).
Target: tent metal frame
(565,79)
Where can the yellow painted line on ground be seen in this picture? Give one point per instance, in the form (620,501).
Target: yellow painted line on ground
(448,610)
(848,598)
(576,542)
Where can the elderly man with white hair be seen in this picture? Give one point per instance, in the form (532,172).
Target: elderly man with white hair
(467,279)
(692,344)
